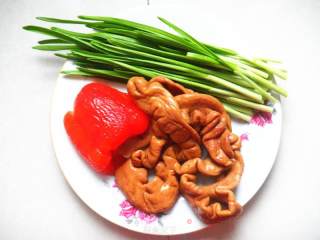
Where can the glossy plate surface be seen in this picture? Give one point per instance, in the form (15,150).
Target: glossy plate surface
(260,145)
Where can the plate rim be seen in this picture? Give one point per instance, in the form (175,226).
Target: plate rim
(129,227)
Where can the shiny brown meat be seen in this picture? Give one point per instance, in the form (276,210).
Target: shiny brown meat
(182,122)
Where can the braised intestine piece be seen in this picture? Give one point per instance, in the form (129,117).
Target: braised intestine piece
(155,196)
(182,121)
(207,114)
(160,104)
(135,143)
(214,202)
(159,194)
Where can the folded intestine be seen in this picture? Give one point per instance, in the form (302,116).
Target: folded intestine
(183,124)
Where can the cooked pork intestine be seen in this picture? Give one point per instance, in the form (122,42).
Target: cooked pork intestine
(181,122)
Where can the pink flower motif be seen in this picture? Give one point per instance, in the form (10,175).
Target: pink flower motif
(127,210)
(244,137)
(261,118)
(148,218)
(125,204)
(127,213)
(189,221)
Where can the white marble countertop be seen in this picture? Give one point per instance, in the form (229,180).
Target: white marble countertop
(35,201)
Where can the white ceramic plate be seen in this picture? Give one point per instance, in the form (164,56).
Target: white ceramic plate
(260,145)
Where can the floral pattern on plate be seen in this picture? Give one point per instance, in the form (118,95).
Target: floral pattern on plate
(261,118)
(244,137)
(133,214)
